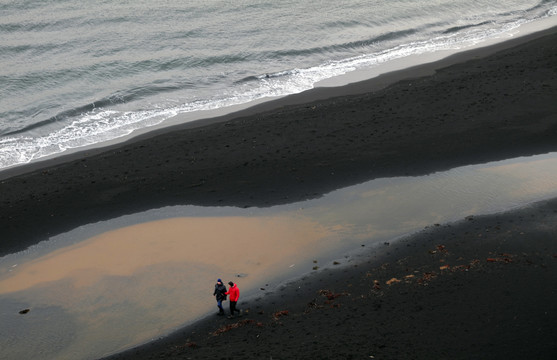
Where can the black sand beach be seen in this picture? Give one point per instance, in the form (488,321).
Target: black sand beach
(483,288)
(495,298)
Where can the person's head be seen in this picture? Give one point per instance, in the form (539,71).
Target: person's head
(230,283)
(219,281)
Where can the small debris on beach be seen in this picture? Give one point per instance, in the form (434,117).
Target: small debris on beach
(189,344)
(440,249)
(24,311)
(236,325)
(278,314)
(330,295)
(392,281)
(500,259)
(427,276)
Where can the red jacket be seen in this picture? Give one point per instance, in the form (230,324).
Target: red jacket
(234,293)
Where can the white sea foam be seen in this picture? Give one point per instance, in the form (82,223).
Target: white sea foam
(104,124)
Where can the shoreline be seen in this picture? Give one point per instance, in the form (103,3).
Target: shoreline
(319,93)
(484,109)
(265,333)
(482,287)
(489,108)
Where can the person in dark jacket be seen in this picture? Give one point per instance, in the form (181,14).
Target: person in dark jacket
(220,295)
(234,293)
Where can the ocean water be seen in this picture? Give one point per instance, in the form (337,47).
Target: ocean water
(76,73)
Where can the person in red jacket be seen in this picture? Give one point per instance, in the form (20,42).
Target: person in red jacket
(234,293)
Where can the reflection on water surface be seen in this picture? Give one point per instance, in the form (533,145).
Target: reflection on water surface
(107,286)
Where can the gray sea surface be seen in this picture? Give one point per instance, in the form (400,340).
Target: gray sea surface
(75,74)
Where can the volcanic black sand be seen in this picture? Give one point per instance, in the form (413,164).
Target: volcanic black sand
(483,288)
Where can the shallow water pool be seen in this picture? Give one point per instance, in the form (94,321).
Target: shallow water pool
(104,287)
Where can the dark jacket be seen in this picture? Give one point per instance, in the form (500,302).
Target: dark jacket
(220,289)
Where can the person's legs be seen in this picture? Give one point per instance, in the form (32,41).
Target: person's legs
(232,308)
(219,305)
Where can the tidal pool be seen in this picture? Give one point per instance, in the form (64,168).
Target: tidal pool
(105,287)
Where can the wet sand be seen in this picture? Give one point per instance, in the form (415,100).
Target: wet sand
(486,109)
(483,288)
(127,286)
(490,107)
